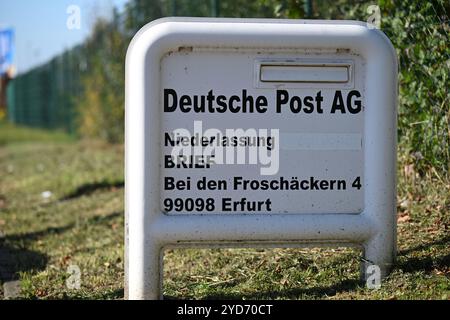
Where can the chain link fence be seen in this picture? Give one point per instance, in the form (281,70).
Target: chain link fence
(44,96)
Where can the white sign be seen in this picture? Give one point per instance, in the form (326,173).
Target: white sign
(256,133)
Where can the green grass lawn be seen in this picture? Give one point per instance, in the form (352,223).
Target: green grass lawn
(10,134)
(61,204)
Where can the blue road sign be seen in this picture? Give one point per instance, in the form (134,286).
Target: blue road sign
(6,49)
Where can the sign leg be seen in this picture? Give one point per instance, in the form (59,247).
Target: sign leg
(145,279)
(379,255)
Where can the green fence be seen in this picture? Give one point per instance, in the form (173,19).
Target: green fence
(44,96)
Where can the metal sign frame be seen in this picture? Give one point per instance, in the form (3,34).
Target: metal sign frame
(149,231)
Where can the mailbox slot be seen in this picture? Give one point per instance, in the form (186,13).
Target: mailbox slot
(305,73)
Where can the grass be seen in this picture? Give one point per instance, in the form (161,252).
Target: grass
(10,134)
(80,222)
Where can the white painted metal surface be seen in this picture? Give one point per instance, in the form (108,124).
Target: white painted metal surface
(272,59)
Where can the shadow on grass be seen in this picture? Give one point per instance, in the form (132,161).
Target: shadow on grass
(89,188)
(114,295)
(318,292)
(16,258)
(407,264)
(427,263)
(32,236)
(424,246)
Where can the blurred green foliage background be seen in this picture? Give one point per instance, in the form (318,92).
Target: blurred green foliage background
(82,91)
